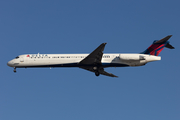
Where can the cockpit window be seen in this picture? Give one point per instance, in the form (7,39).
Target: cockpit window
(17,57)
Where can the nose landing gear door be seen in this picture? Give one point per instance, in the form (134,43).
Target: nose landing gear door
(21,59)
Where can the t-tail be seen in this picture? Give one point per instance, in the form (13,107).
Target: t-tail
(158,46)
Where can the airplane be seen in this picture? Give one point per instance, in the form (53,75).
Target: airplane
(95,62)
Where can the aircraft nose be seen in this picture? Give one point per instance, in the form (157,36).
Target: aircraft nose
(10,63)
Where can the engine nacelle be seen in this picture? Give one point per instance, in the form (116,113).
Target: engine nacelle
(129,57)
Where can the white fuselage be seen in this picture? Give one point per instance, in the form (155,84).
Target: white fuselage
(72,60)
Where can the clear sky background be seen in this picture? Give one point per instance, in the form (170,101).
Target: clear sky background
(150,92)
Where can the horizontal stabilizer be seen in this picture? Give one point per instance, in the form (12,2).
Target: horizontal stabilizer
(163,40)
(169,46)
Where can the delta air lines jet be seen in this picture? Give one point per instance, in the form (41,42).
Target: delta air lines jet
(95,61)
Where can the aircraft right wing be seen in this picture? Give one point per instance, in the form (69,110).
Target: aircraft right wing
(107,74)
(101,71)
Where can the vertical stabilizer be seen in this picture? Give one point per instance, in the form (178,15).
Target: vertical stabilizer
(158,46)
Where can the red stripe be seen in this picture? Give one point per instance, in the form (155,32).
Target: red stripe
(152,49)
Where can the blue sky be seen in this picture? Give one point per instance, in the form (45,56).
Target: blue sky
(79,26)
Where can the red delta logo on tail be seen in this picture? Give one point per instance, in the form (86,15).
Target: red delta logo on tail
(155,49)
(158,46)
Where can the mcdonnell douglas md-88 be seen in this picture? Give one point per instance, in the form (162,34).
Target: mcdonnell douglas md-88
(95,61)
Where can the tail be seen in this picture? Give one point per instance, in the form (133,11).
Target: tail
(158,46)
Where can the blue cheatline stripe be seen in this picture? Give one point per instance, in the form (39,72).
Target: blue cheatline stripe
(77,65)
(114,65)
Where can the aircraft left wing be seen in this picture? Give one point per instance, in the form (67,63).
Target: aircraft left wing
(93,62)
(94,57)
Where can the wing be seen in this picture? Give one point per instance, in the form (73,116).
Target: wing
(93,62)
(101,71)
(94,57)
